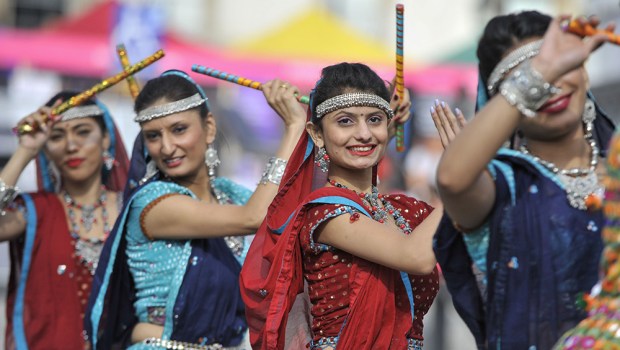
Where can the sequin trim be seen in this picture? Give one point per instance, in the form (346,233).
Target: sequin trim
(169,108)
(320,247)
(414,344)
(148,208)
(324,343)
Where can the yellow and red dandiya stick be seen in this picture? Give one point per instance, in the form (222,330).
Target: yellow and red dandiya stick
(400,77)
(576,27)
(134,88)
(214,73)
(97,88)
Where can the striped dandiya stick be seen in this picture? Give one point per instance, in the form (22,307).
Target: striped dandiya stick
(400,77)
(214,73)
(576,27)
(87,94)
(134,88)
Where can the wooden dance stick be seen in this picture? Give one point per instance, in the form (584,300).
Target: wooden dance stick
(134,88)
(80,98)
(400,77)
(576,27)
(214,73)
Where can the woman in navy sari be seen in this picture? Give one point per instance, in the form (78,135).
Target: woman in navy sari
(521,239)
(169,274)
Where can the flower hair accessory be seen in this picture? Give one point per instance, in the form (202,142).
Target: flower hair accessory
(352,100)
(170,108)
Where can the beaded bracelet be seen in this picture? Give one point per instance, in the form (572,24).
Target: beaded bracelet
(7,196)
(526,89)
(148,208)
(273,171)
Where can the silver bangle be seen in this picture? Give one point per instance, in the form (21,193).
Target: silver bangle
(175,344)
(273,171)
(7,196)
(526,89)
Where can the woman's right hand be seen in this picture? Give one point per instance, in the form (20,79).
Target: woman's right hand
(561,51)
(283,98)
(33,142)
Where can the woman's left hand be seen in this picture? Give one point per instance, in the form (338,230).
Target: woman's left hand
(448,124)
(402,111)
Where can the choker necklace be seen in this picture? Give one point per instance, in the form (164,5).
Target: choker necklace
(580,184)
(379,206)
(87,249)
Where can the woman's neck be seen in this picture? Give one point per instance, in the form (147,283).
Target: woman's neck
(199,184)
(356,180)
(87,191)
(569,152)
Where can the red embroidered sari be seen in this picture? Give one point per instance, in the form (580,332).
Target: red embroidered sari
(272,276)
(57,286)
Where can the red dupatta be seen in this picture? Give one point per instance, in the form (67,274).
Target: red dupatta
(272,275)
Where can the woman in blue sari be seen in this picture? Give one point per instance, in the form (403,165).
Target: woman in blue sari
(521,238)
(169,274)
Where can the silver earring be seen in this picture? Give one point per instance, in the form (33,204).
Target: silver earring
(322,159)
(108,160)
(588,116)
(211,160)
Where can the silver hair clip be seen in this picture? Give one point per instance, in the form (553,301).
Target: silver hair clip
(512,60)
(351,100)
(169,108)
(81,112)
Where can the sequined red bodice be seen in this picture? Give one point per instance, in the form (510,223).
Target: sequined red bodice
(327,271)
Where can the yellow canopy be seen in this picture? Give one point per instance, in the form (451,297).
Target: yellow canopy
(317,35)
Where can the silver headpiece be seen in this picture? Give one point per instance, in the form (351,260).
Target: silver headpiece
(81,112)
(169,108)
(512,60)
(352,100)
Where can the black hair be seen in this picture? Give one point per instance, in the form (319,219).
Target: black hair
(504,32)
(171,87)
(65,95)
(339,78)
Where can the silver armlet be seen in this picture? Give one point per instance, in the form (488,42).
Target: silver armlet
(273,171)
(526,89)
(7,196)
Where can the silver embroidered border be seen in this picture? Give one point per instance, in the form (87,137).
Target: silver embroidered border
(169,108)
(352,100)
(81,112)
(512,60)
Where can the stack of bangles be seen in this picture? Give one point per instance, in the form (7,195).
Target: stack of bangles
(7,196)
(273,171)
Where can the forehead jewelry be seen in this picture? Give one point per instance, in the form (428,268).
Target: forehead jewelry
(81,112)
(513,59)
(169,108)
(353,100)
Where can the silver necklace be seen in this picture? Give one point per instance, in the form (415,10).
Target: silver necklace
(235,243)
(578,183)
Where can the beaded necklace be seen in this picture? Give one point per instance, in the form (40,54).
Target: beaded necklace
(87,249)
(379,206)
(579,184)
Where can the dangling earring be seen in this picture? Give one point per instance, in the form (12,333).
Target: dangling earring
(588,116)
(211,160)
(151,170)
(322,159)
(108,160)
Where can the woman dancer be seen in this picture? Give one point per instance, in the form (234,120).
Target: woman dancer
(521,239)
(57,233)
(169,275)
(365,258)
